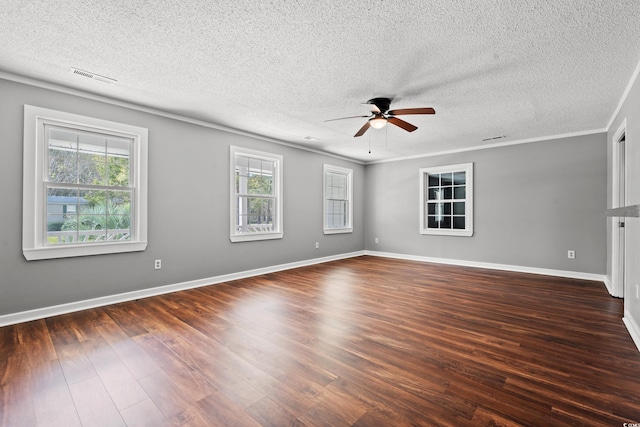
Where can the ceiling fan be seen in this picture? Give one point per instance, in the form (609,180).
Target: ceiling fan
(380,115)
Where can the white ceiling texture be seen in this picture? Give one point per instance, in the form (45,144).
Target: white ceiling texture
(519,70)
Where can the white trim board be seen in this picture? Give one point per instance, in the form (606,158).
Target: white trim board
(41,313)
(492,266)
(624,96)
(489,146)
(633,328)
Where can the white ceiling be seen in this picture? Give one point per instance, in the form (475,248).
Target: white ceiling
(280,68)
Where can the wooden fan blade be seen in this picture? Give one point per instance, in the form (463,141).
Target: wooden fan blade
(405,111)
(363,129)
(401,123)
(343,118)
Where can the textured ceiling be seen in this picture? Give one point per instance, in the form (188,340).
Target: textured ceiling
(280,68)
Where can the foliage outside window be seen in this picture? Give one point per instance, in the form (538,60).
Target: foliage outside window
(84,185)
(446,200)
(338,194)
(256,202)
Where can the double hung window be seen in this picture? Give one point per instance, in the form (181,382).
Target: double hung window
(256,195)
(338,193)
(84,185)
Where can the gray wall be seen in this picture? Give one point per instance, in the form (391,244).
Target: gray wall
(532,203)
(631,111)
(188,210)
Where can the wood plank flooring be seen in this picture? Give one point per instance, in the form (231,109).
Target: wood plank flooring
(360,342)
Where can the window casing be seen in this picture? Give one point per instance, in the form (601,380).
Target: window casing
(338,195)
(84,185)
(446,200)
(256,195)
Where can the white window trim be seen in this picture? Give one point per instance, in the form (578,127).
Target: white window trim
(277,233)
(463,167)
(349,174)
(34,173)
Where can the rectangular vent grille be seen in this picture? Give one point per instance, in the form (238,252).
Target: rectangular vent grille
(92,76)
(494,138)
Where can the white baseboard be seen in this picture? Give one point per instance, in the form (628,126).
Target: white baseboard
(633,327)
(41,313)
(492,266)
(608,284)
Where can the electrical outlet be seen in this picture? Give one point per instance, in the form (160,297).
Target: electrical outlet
(317,245)
(158,264)
(571,254)
(377,240)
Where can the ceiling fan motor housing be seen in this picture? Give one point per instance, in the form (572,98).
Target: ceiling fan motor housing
(383,104)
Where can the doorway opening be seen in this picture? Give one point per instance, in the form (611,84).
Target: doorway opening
(618,230)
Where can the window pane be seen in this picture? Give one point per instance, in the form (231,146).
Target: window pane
(458,208)
(254,184)
(60,215)
(460,178)
(446,179)
(267,185)
(119,215)
(445,222)
(63,156)
(431,208)
(92,157)
(447,208)
(118,162)
(434,180)
(458,222)
(255,166)
(448,193)
(431,222)
(260,214)
(92,202)
(459,192)
(435,194)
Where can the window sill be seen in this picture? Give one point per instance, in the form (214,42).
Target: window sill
(257,236)
(461,233)
(337,230)
(32,254)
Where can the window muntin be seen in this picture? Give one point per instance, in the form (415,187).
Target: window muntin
(446,200)
(84,187)
(337,204)
(256,205)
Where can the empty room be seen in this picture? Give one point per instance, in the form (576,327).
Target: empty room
(320,214)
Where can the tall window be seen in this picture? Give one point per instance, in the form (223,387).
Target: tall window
(338,193)
(256,195)
(84,185)
(446,200)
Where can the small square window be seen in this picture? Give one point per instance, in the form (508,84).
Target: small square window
(446,205)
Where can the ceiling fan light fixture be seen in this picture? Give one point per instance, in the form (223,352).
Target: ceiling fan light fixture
(378,122)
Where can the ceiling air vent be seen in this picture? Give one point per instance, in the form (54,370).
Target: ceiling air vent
(494,138)
(92,76)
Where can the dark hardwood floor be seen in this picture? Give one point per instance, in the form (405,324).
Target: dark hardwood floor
(359,342)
